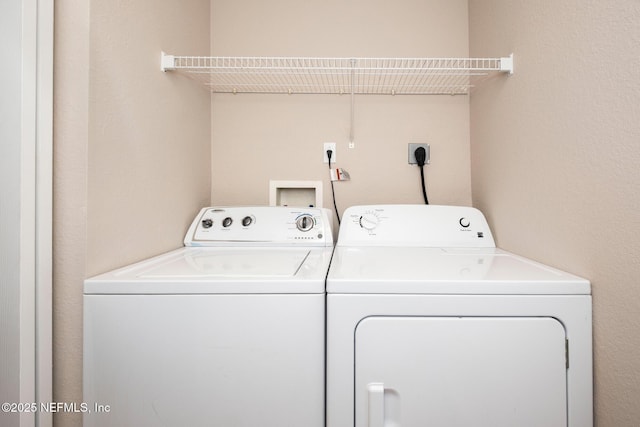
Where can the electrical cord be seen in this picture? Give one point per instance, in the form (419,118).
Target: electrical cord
(421,155)
(333,191)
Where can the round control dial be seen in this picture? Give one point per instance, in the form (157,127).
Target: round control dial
(369,221)
(207,223)
(227,222)
(247,221)
(304,222)
(464,222)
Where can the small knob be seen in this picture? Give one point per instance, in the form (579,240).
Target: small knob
(246,221)
(369,221)
(464,222)
(227,222)
(207,223)
(305,223)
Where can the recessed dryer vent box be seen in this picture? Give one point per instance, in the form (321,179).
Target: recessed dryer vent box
(295,193)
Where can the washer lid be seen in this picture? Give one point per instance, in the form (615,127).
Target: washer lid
(220,270)
(469,271)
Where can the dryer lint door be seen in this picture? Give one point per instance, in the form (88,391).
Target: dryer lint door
(460,371)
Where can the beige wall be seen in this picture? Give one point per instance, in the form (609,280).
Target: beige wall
(131,151)
(149,135)
(70,123)
(257,138)
(555,155)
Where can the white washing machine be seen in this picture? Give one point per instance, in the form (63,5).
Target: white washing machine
(227,331)
(428,324)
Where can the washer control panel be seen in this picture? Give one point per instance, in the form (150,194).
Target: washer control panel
(260,225)
(414,225)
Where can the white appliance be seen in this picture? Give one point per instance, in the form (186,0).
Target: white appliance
(428,324)
(227,331)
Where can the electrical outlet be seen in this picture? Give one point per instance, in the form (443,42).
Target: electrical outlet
(412,155)
(329,146)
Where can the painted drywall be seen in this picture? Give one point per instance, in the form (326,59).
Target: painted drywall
(258,138)
(71,121)
(555,158)
(148,159)
(131,152)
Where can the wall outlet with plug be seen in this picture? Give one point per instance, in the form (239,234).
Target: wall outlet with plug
(412,153)
(329,146)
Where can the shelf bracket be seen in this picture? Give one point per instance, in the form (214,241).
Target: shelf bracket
(506,64)
(167,62)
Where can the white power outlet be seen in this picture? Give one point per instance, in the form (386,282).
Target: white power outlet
(329,146)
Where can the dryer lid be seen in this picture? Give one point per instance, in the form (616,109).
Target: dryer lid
(469,271)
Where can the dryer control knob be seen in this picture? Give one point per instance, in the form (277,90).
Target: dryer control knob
(369,221)
(207,223)
(304,222)
(227,222)
(246,221)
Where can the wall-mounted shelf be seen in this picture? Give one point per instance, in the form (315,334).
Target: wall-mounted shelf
(360,76)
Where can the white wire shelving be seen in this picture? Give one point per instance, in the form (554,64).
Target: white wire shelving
(355,76)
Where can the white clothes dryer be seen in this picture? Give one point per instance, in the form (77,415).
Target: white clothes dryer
(429,324)
(227,331)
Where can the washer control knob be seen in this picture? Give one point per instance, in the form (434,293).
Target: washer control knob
(369,221)
(227,222)
(464,222)
(207,223)
(304,222)
(247,221)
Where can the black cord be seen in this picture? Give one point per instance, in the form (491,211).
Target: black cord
(424,189)
(333,191)
(421,157)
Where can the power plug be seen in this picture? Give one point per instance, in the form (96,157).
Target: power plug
(421,155)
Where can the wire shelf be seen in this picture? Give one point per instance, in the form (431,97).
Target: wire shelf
(360,76)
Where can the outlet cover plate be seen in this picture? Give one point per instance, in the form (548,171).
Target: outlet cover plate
(412,156)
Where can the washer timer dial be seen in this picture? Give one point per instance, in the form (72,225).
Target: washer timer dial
(305,222)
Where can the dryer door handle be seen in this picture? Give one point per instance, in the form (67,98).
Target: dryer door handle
(376,404)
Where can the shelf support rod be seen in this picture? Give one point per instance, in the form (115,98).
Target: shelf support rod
(353,94)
